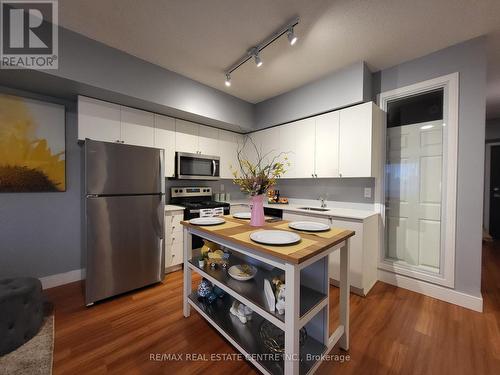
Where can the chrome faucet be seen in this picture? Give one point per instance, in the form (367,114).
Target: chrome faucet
(323,202)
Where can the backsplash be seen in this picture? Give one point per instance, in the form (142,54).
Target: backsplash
(332,189)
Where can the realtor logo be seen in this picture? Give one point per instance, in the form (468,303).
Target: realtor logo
(29,34)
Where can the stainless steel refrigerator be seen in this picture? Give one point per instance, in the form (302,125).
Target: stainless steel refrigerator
(124,213)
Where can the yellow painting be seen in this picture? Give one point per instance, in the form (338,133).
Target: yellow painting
(32,145)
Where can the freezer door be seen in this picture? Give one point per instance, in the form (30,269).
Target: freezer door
(124,242)
(113,168)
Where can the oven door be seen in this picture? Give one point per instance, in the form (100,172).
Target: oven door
(196,166)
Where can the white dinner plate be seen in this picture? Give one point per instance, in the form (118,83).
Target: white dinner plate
(236,272)
(243,215)
(309,226)
(207,221)
(275,237)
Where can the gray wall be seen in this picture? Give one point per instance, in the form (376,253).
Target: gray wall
(94,69)
(40,232)
(339,89)
(332,189)
(469,59)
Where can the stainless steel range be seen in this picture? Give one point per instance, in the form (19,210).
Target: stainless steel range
(197,202)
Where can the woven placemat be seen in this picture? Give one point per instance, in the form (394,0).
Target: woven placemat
(285,250)
(329,234)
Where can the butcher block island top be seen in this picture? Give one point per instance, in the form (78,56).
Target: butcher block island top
(238,231)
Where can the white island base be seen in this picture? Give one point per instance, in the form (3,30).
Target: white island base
(307,299)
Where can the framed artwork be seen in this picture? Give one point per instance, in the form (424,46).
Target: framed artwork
(32,145)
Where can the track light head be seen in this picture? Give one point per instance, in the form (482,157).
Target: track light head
(228,80)
(256,56)
(292,38)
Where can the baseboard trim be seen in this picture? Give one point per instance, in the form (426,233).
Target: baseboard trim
(432,290)
(62,278)
(170,269)
(353,289)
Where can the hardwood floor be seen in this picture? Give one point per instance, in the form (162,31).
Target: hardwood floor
(393,331)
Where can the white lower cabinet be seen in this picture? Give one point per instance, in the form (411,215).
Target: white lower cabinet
(173,238)
(363,249)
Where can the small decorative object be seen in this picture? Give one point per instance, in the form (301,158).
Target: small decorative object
(225,259)
(269,293)
(218,291)
(215,255)
(201,261)
(204,288)
(209,246)
(242,312)
(280,299)
(213,265)
(274,338)
(257,207)
(242,272)
(211,297)
(255,178)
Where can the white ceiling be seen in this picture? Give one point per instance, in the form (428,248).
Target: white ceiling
(200,38)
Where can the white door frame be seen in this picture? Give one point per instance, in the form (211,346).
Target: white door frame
(446,276)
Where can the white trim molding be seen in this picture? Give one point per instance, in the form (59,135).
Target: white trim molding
(435,291)
(446,276)
(62,278)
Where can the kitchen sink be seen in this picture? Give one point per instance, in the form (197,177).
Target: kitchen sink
(314,209)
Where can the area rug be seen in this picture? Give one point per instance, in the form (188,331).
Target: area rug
(33,357)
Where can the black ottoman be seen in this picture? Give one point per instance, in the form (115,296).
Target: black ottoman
(21,311)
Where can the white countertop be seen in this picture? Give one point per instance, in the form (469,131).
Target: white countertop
(171,207)
(335,209)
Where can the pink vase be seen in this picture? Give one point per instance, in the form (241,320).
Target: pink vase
(257,216)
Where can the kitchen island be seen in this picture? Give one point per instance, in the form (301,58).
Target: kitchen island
(305,269)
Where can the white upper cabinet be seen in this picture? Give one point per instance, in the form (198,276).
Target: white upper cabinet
(98,120)
(165,139)
(327,145)
(186,136)
(137,127)
(267,143)
(228,148)
(360,128)
(297,140)
(208,142)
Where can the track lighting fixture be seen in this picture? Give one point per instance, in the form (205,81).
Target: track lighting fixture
(292,38)
(258,60)
(254,53)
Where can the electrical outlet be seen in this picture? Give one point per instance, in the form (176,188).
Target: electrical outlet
(368,192)
(222,188)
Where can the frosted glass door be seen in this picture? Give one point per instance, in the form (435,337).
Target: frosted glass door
(414,175)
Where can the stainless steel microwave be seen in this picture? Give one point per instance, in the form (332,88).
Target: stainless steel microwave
(196,166)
